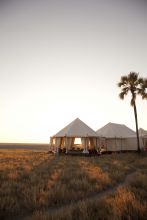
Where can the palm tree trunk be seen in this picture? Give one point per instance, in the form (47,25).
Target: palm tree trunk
(136,122)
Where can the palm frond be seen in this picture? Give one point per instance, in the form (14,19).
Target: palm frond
(120,84)
(124,79)
(145,82)
(122,95)
(140,80)
(140,91)
(133,76)
(144,96)
(125,90)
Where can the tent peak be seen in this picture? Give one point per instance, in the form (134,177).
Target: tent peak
(76,128)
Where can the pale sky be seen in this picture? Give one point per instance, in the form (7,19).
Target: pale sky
(62,59)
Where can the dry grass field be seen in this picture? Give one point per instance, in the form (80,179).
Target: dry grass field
(40,186)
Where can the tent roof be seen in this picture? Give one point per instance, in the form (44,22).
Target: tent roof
(76,128)
(112,130)
(142,132)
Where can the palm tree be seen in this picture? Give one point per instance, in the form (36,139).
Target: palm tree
(135,85)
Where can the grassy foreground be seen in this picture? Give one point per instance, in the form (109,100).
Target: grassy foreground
(39,186)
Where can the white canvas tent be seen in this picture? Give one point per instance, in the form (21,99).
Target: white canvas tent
(143,136)
(144,140)
(118,137)
(142,132)
(76,129)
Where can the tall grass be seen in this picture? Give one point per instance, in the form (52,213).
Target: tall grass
(122,205)
(42,186)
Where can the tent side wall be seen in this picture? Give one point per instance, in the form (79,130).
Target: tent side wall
(122,144)
(115,144)
(131,143)
(144,142)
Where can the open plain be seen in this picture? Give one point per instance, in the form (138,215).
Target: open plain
(41,186)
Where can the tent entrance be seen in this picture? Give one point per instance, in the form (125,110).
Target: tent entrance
(77,144)
(77,141)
